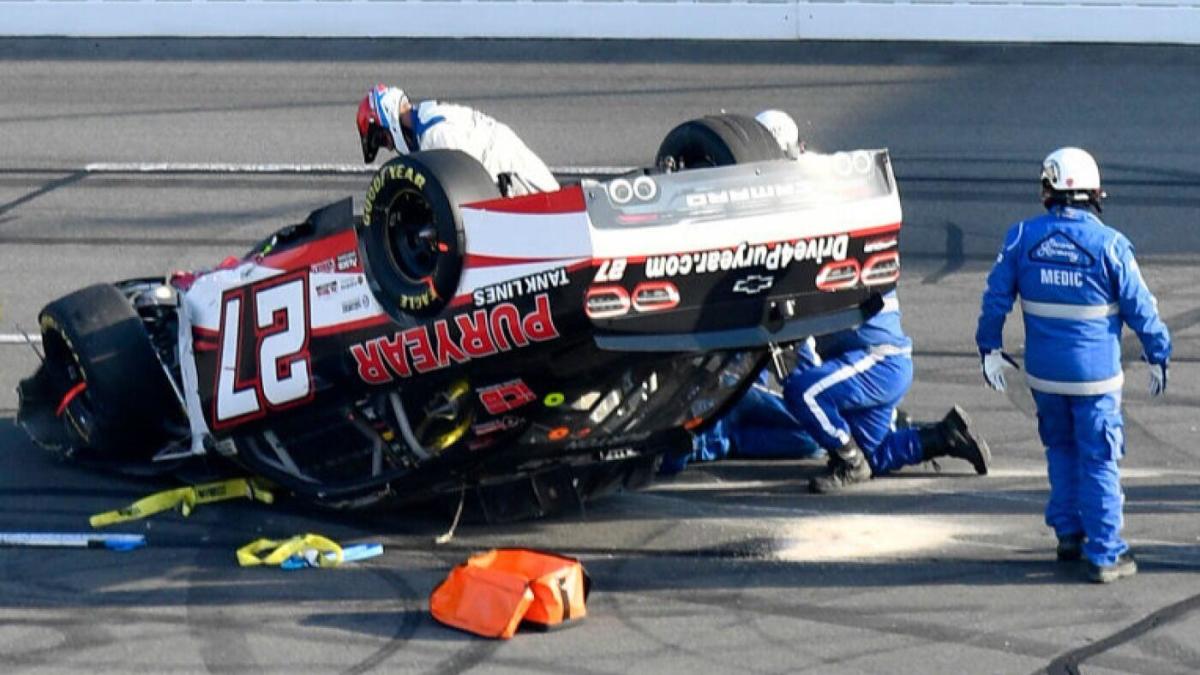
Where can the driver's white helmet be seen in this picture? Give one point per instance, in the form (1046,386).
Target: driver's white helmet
(783,128)
(379,121)
(1072,175)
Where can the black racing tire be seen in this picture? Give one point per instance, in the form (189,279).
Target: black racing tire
(96,345)
(411,236)
(716,140)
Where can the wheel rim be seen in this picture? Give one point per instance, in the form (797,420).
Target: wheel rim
(412,238)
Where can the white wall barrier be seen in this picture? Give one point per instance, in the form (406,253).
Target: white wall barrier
(1159,21)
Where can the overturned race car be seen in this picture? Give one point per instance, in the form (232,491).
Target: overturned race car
(532,352)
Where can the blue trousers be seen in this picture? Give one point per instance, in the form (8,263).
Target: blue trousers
(761,426)
(758,426)
(1084,438)
(854,395)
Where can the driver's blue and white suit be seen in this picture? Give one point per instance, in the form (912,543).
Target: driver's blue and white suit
(1078,282)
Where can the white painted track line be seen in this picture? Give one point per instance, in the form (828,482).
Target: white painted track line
(18,339)
(234,168)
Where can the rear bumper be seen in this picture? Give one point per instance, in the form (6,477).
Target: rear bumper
(780,330)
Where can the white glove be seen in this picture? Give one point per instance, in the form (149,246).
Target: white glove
(993,364)
(1158,379)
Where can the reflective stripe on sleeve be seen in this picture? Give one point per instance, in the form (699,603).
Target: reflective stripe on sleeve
(889,350)
(1054,310)
(1094,388)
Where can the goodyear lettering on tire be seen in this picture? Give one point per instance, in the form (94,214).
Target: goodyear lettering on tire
(406,173)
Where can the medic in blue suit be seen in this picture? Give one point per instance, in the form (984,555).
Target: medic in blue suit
(1078,282)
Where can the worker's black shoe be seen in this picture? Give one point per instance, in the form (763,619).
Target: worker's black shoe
(953,437)
(847,465)
(1125,566)
(1070,548)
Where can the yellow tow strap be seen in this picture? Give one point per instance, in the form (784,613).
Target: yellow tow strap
(186,498)
(317,550)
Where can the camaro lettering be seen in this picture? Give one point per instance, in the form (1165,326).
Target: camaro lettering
(1062,278)
(475,335)
(746,194)
(771,256)
(515,288)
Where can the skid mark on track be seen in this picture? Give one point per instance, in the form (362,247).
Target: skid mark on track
(901,623)
(1176,323)
(223,646)
(659,648)
(69,637)
(1143,437)
(1068,664)
(47,188)
(469,658)
(404,629)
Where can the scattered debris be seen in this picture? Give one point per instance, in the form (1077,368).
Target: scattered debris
(112,542)
(305,550)
(187,498)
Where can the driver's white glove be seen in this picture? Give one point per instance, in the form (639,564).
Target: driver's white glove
(1158,379)
(994,363)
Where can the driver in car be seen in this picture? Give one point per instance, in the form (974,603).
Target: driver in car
(387,119)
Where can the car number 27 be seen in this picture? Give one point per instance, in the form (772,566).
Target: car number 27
(273,316)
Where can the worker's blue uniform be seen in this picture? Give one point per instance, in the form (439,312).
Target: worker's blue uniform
(853,393)
(1078,282)
(758,426)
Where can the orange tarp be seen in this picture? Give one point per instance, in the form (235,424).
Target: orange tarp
(492,593)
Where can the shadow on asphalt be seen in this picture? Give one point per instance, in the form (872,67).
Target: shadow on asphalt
(207,539)
(29,472)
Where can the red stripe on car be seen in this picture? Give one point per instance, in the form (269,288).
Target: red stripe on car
(566,200)
(348,326)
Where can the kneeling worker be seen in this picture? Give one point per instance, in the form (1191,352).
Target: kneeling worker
(847,399)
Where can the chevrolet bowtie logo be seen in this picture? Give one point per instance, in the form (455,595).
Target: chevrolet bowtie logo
(753,284)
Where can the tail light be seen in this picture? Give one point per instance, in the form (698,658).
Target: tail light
(881,269)
(838,275)
(655,296)
(603,302)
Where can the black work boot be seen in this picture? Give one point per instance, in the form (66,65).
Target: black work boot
(952,437)
(1070,548)
(847,466)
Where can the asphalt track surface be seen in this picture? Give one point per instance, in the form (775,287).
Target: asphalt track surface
(730,567)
